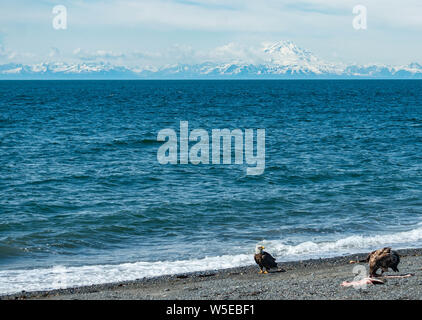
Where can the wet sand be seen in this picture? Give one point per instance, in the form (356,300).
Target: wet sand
(310,279)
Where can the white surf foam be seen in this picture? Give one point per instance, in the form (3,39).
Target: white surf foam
(344,246)
(13,281)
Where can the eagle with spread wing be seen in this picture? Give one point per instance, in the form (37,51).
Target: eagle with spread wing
(381,259)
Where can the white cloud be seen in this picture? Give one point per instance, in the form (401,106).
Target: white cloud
(248,15)
(54,53)
(138,31)
(7,55)
(96,55)
(229,15)
(238,52)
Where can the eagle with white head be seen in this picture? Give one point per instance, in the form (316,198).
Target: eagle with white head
(264,259)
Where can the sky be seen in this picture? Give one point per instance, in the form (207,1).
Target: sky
(162,32)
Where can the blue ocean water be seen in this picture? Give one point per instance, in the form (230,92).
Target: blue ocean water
(84,200)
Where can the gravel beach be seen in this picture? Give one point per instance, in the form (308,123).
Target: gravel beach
(310,279)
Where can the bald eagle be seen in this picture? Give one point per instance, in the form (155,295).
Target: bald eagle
(381,259)
(264,259)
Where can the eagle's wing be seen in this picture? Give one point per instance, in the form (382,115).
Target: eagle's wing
(396,256)
(268,260)
(369,256)
(386,250)
(383,253)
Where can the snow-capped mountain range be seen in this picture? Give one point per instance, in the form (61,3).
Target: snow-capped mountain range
(279,60)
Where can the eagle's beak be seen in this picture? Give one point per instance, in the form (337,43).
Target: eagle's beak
(262,247)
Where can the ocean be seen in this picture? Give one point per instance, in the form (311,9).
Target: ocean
(84,200)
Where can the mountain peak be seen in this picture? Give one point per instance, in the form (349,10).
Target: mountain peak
(415,65)
(281,45)
(285,52)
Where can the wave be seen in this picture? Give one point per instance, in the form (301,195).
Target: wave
(13,281)
(344,246)
(57,277)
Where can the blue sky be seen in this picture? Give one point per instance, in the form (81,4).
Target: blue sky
(157,32)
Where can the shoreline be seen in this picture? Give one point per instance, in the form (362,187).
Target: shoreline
(303,279)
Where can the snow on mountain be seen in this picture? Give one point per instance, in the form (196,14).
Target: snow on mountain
(61,70)
(279,60)
(286,53)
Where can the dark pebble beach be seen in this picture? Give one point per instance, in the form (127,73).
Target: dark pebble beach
(311,279)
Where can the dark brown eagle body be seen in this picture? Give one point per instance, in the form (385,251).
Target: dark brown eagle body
(382,259)
(264,260)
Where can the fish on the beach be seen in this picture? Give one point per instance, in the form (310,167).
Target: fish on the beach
(264,259)
(362,282)
(379,280)
(381,259)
